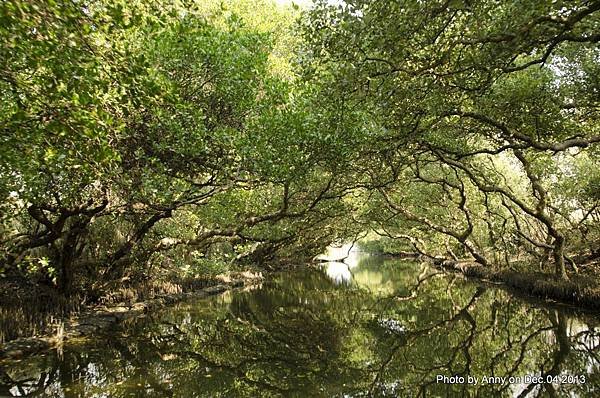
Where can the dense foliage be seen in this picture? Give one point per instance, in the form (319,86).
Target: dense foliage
(141,139)
(486,120)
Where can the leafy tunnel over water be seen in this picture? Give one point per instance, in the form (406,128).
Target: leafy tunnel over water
(315,333)
(150,148)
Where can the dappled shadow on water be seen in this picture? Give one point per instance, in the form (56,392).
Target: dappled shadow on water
(388,329)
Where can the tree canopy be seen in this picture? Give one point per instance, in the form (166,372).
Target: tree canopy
(139,139)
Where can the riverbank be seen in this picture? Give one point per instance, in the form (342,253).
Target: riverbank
(580,290)
(99,318)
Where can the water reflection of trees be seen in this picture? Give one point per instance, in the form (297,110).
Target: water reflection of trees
(302,335)
(485,333)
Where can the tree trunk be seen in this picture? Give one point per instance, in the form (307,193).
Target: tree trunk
(67,257)
(69,254)
(559,258)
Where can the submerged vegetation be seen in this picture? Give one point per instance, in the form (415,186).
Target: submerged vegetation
(159,140)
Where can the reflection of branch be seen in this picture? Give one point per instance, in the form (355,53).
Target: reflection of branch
(423,277)
(559,326)
(590,335)
(411,335)
(6,382)
(237,370)
(522,351)
(141,364)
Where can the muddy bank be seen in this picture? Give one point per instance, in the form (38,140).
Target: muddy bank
(581,291)
(101,318)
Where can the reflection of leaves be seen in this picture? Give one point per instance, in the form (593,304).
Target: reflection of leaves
(300,333)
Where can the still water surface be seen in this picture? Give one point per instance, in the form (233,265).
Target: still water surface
(381,328)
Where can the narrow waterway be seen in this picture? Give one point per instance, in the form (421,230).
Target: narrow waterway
(374,328)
